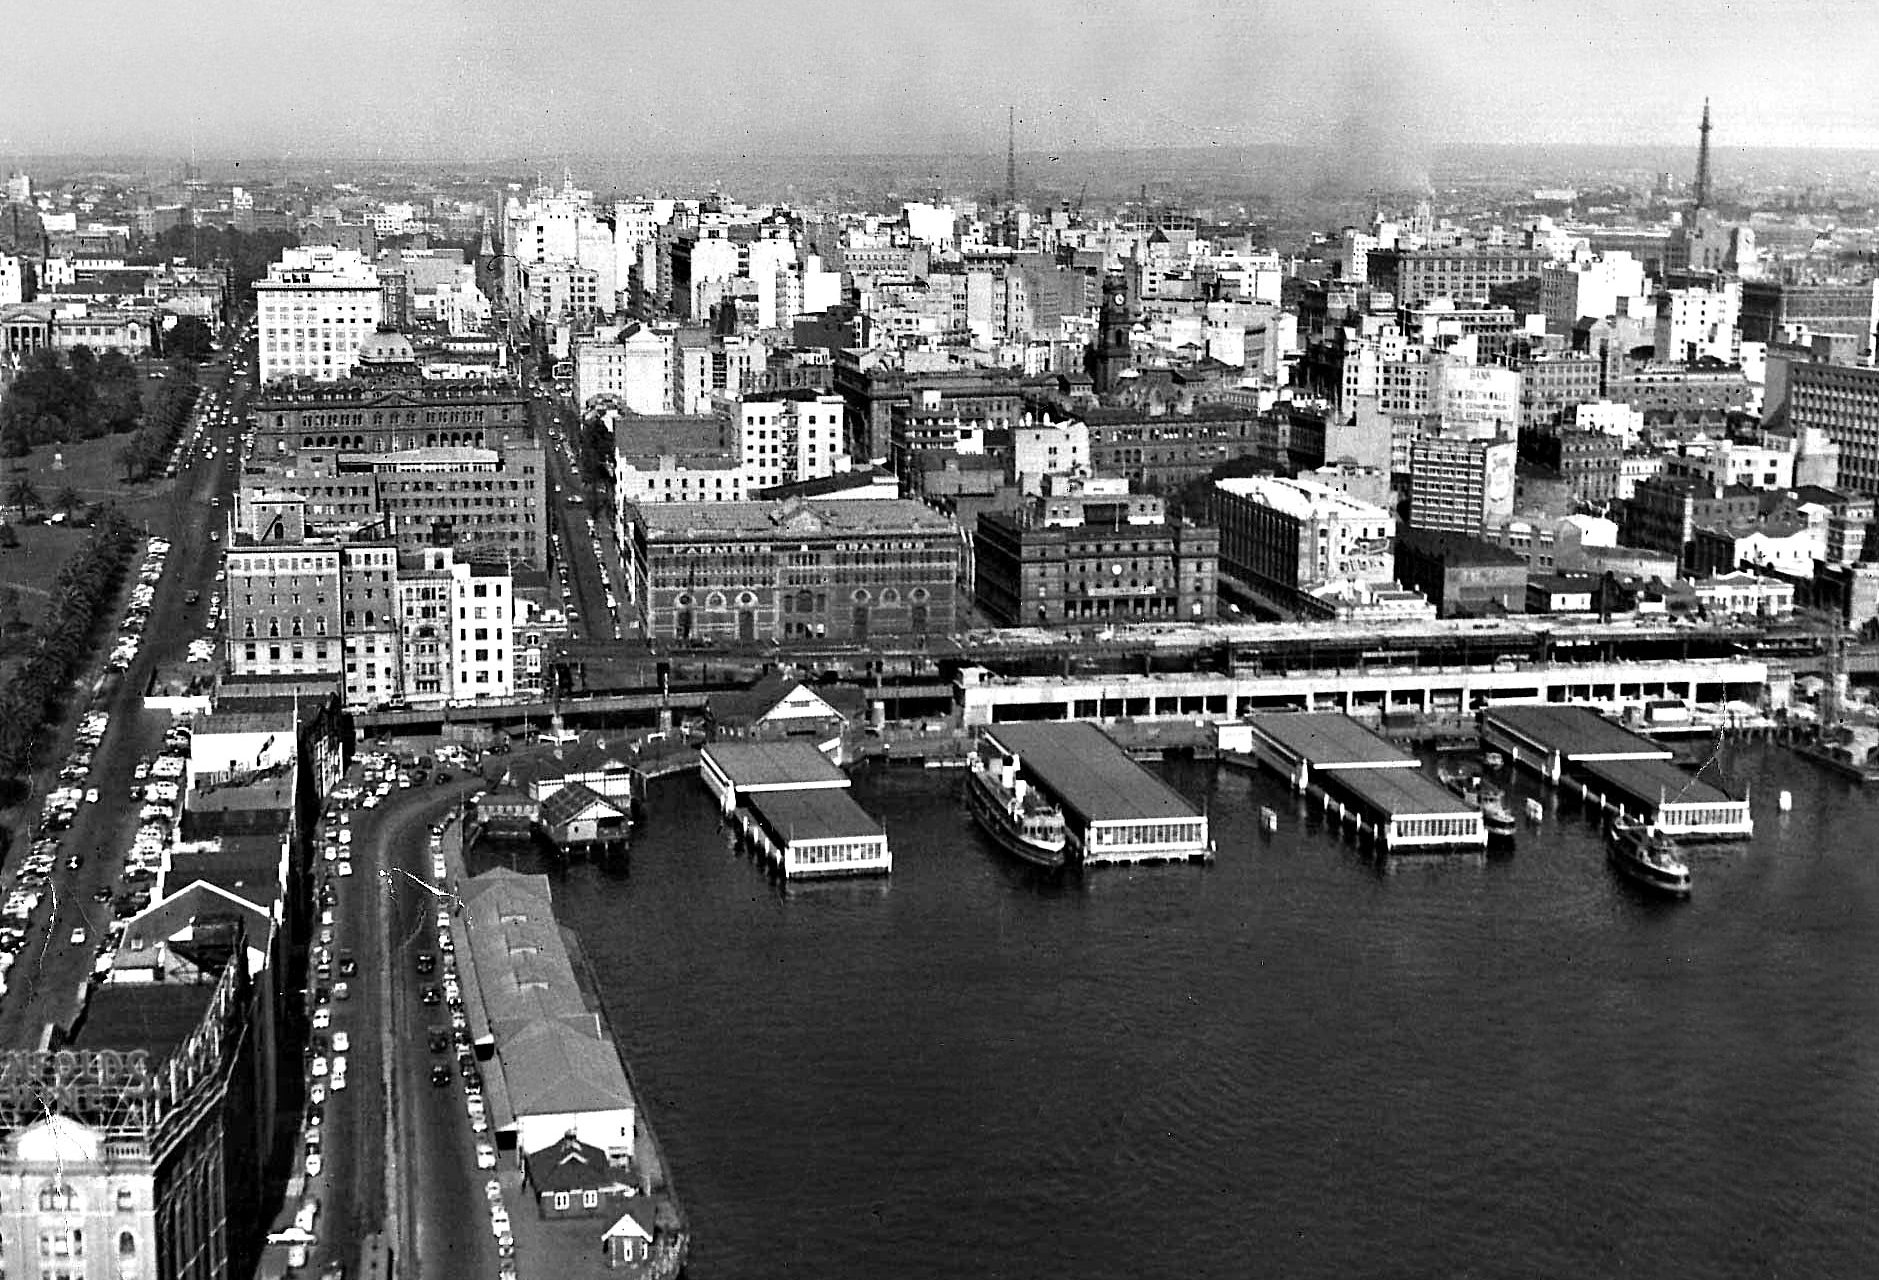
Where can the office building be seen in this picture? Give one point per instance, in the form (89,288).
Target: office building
(1465,577)
(1284,538)
(313,311)
(1460,485)
(1080,557)
(1841,401)
(850,571)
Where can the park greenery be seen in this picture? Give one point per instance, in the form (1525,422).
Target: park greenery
(62,400)
(82,595)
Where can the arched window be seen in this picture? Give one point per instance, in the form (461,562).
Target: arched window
(368,617)
(683,600)
(917,594)
(715,600)
(746,598)
(126,1244)
(889,596)
(805,602)
(274,628)
(296,626)
(247,627)
(319,626)
(57,1197)
(861,595)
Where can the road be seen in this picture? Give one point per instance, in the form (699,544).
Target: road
(46,984)
(589,579)
(399,1153)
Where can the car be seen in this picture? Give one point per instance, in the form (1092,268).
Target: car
(78,937)
(322,1018)
(347,965)
(341,1042)
(485,1156)
(492,1191)
(322,995)
(74,861)
(316,1116)
(427,963)
(314,1164)
(431,995)
(339,1061)
(440,1076)
(345,866)
(342,991)
(320,1067)
(101,895)
(499,1221)
(91,795)
(317,1095)
(339,1081)
(439,1040)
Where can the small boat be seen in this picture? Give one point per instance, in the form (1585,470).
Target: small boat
(1496,814)
(1648,857)
(1012,812)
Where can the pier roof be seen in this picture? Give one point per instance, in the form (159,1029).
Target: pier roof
(814,815)
(1655,781)
(751,765)
(1401,793)
(1330,740)
(1089,774)
(1577,733)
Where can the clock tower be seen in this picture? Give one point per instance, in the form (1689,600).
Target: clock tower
(1111,354)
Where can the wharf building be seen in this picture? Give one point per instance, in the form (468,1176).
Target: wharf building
(314,310)
(1618,770)
(424,462)
(1283,539)
(1115,811)
(1374,787)
(792,804)
(1095,556)
(847,570)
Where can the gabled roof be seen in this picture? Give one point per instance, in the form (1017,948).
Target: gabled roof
(573,800)
(552,1069)
(571,1165)
(738,707)
(635,1224)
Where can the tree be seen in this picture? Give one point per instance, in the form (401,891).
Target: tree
(69,500)
(133,459)
(21,495)
(189,339)
(9,609)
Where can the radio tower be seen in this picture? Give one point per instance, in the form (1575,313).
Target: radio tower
(1702,161)
(1011,157)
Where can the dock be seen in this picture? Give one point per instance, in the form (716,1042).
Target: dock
(1361,781)
(1115,811)
(1623,773)
(791,804)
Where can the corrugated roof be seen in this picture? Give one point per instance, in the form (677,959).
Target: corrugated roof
(552,1069)
(771,764)
(813,815)
(1576,732)
(1089,774)
(1401,792)
(1329,740)
(1655,780)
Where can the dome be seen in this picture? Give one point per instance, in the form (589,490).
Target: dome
(386,346)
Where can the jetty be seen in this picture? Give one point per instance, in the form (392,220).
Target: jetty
(1360,781)
(1115,811)
(791,804)
(1623,773)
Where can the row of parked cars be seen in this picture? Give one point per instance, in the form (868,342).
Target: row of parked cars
(442,988)
(143,598)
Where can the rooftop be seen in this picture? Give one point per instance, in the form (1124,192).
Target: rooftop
(1301,499)
(1580,733)
(156,1017)
(814,815)
(1647,779)
(1328,740)
(1089,774)
(1402,792)
(857,517)
(773,764)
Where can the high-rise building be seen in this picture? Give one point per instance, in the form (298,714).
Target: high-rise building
(316,308)
(1460,485)
(1282,538)
(1841,401)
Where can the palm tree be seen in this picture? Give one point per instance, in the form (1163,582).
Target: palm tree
(70,501)
(21,495)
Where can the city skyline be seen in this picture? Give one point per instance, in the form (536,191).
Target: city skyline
(1367,86)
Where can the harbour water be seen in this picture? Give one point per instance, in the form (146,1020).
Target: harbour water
(1290,1063)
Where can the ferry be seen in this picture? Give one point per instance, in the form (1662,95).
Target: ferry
(1648,857)
(1012,812)
(1496,814)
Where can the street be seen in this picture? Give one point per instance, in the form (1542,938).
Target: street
(47,984)
(589,580)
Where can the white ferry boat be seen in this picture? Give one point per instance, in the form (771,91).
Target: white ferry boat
(1012,811)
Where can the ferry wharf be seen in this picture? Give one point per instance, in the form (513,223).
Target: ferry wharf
(1115,811)
(1623,773)
(1361,782)
(791,804)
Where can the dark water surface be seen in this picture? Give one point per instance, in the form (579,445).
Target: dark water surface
(1288,1063)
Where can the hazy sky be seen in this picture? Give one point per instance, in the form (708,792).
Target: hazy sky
(465,78)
